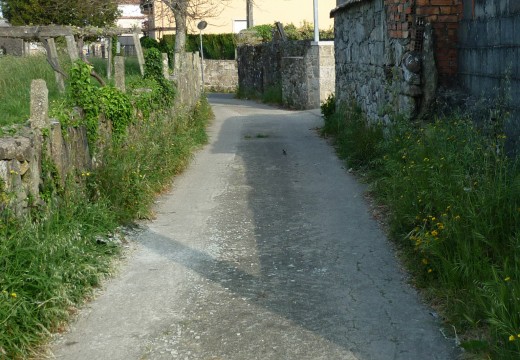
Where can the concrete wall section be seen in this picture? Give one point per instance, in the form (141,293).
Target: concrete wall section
(221,75)
(15,47)
(327,69)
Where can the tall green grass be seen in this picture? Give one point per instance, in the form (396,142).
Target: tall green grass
(454,208)
(16,74)
(49,265)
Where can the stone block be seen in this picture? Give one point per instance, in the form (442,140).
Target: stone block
(119,73)
(17,148)
(39,105)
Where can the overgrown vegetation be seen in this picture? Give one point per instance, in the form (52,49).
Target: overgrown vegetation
(453,200)
(53,258)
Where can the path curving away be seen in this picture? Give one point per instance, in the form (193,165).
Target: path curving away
(263,249)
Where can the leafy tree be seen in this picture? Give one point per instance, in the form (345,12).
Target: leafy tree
(60,12)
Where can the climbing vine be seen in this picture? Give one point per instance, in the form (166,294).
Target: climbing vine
(154,70)
(94,100)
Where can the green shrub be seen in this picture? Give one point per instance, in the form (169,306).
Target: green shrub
(215,46)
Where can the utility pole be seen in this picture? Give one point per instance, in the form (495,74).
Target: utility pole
(316,24)
(249,12)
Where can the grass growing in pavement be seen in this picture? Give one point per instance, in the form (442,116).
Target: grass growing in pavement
(454,209)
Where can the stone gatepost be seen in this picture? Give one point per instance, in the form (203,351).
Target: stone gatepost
(39,105)
(119,73)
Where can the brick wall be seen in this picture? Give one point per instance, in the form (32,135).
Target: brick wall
(405,19)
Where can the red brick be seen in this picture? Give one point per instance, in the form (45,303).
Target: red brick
(448,18)
(447,10)
(441,2)
(422,2)
(429,10)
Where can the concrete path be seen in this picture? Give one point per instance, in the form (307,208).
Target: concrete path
(264,249)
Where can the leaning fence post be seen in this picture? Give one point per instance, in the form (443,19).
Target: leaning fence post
(119,72)
(139,51)
(39,105)
(54,58)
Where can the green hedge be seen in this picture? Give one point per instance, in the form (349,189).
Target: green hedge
(215,46)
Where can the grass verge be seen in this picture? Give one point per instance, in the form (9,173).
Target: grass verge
(52,259)
(454,210)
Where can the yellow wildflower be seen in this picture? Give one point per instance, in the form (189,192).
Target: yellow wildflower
(440,226)
(430,271)
(511,338)
(435,233)
(507,278)
(13,295)
(425,261)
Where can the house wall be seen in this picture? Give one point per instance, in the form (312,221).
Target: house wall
(489,43)
(264,12)
(368,61)
(391,54)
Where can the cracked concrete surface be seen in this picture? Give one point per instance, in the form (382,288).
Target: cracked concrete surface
(257,254)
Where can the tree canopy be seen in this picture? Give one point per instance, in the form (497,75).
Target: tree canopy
(98,13)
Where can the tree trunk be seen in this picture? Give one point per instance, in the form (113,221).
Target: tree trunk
(180,14)
(180,41)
